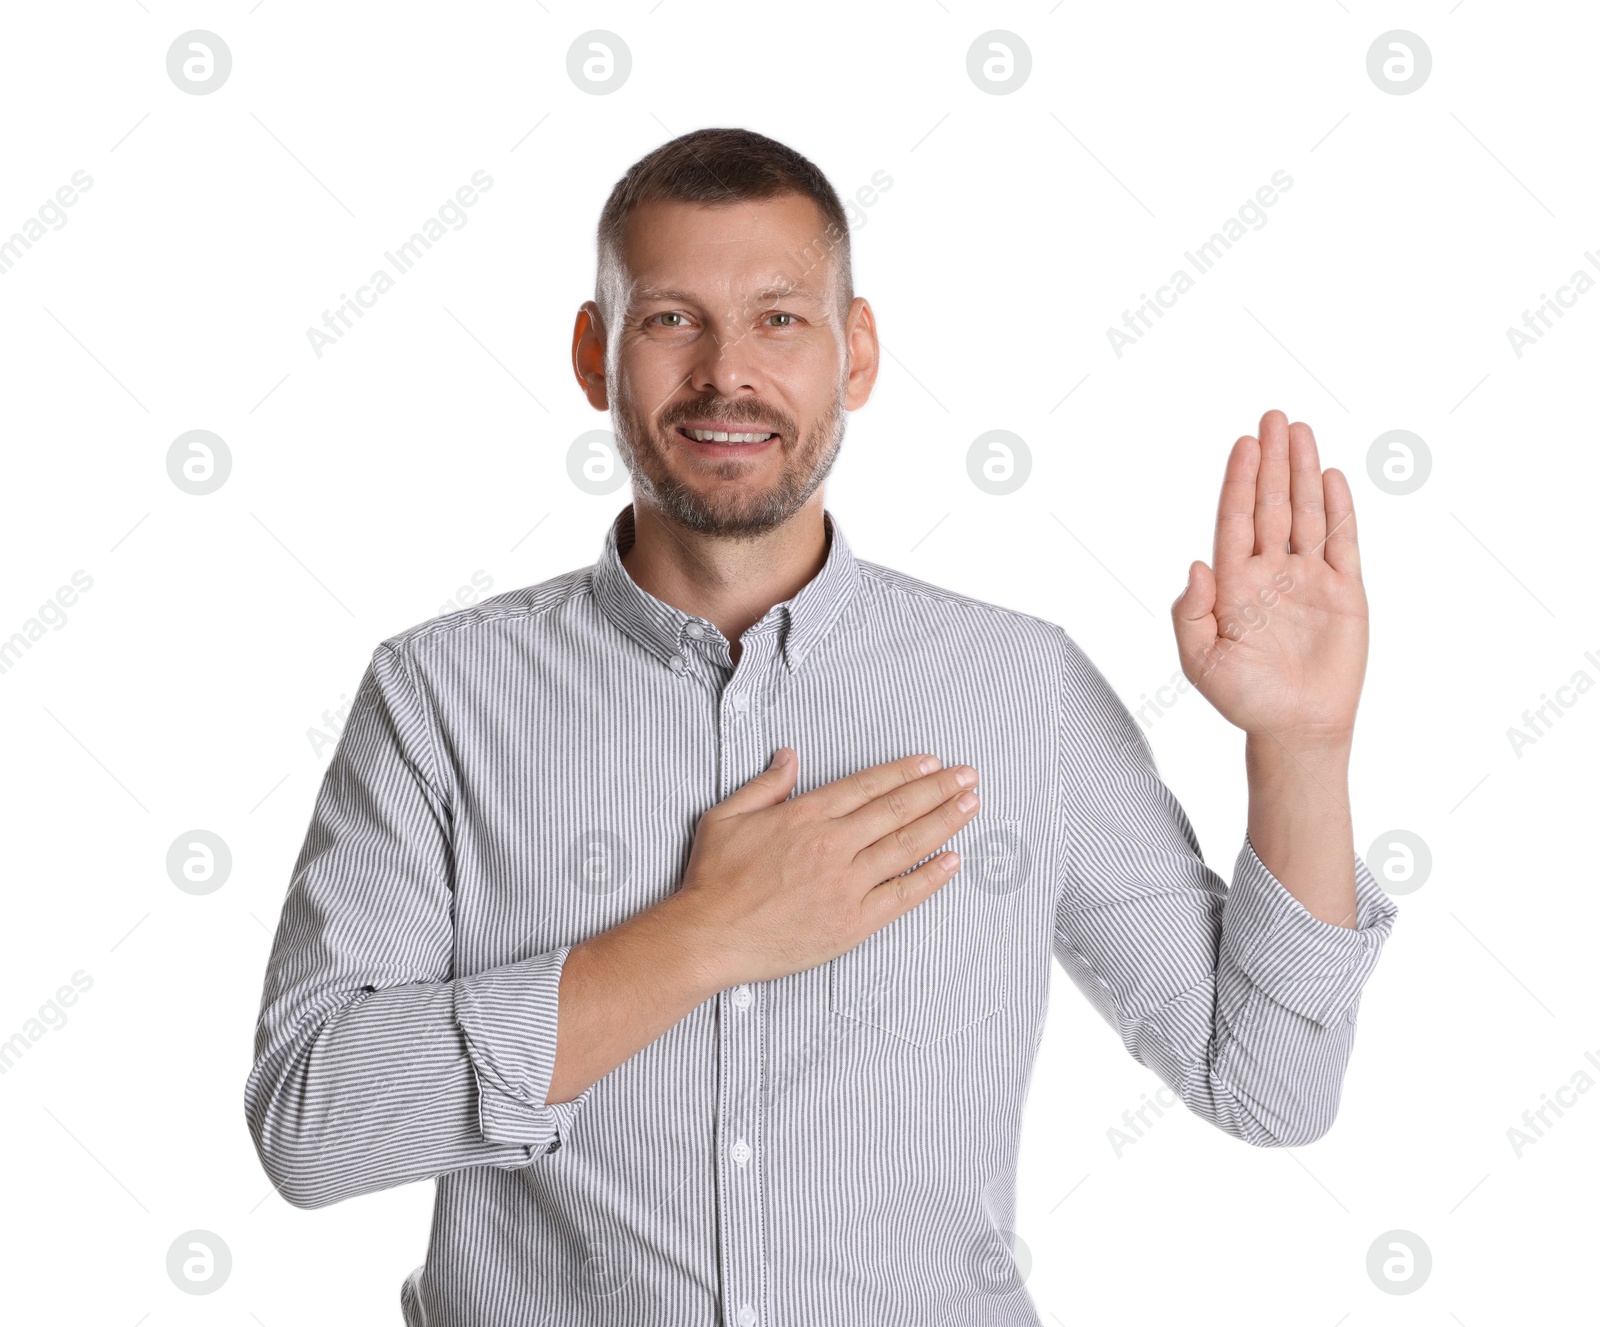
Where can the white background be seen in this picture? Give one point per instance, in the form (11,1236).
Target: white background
(430,444)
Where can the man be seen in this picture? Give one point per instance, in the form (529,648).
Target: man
(689,916)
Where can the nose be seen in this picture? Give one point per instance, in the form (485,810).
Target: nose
(726,364)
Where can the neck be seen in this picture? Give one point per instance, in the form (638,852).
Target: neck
(732,583)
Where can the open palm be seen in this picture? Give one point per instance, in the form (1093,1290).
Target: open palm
(1276,637)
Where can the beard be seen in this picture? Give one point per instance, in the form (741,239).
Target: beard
(645,446)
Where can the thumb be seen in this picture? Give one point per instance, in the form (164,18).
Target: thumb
(769,787)
(1194,620)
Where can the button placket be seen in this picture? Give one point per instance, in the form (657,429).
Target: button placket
(741,1025)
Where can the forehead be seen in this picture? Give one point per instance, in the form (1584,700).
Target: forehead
(751,248)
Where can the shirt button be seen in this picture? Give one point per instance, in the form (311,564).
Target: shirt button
(741,702)
(747,1316)
(694,629)
(742,998)
(741,1151)
(676,663)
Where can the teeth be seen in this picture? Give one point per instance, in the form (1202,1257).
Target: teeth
(709,435)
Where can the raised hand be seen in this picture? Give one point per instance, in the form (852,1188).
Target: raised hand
(1276,636)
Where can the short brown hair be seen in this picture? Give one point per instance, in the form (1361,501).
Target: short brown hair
(719,166)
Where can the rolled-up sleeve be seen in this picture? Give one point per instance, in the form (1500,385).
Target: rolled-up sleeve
(1311,967)
(375,1064)
(508,1018)
(1238,999)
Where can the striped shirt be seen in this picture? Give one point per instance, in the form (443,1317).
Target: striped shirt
(835,1146)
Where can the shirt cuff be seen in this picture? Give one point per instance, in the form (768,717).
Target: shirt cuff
(508,1016)
(1307,965)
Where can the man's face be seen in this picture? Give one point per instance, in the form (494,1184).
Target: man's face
(731,324)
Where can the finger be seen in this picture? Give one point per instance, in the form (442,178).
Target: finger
(1272,485)
(1310,525)
(1236,508)
(1194,620)
(767,788)
(899,809)
(903,846)
(1340,550)
(849,794)
(893,898)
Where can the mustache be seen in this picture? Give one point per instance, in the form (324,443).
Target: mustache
(726,417)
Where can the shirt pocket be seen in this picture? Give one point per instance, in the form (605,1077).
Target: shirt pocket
(939,968)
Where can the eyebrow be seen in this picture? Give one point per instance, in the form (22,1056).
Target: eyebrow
(773,290)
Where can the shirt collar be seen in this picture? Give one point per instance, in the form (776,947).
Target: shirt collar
(802,621)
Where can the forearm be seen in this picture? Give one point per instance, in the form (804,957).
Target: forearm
(1299,822)
(624,988)
(381,1094)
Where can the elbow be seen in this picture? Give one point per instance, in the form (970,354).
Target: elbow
(296,1176)
(1294,1131)
(295,1182)
(290,1152)
(296,1188)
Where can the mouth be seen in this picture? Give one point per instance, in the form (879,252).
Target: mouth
(727,439)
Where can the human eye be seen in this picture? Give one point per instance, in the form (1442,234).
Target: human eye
(783,315)
(671,313)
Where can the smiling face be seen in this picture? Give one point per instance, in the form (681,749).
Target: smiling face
(726,319)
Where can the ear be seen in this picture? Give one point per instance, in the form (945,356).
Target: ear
(589,354)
